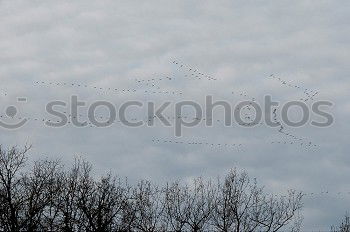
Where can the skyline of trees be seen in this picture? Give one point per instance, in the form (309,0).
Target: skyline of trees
(51,197)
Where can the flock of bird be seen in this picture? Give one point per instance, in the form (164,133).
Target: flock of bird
(109,122)
(42,120)
(234,146)
(282,130)
(196,74)
(310,94)
(326,193)
(297,140)
(153,82)
(242,94)
(105,121)
(248,116)
(64,84)
(307,146)
(193,73)
(115,90)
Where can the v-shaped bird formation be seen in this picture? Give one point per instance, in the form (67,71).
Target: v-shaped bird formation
(282,130)
(158,85)
(310,94)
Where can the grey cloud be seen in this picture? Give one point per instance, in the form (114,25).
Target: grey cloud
(110,43)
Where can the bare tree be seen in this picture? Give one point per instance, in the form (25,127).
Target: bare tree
(176,207)
(70,216)
(47,197)
(39,189)
(11,163)
(189,208)
(199,202)
(149,205)
(277,213)
(128,216)
(240,205)
(101,202)
(344,226)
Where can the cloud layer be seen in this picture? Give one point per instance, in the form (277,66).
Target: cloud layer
(111,43)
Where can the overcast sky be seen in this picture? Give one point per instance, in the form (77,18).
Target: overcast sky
(240,43)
